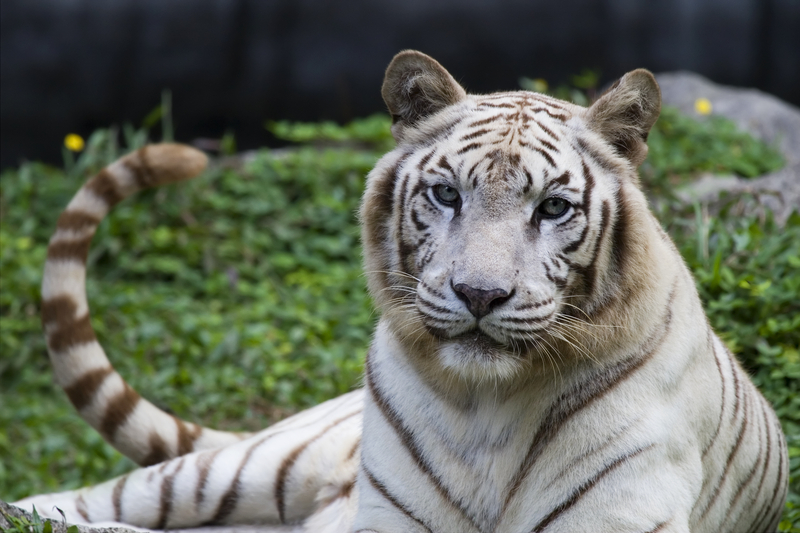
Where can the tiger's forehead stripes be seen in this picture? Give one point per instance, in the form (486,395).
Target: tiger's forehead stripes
(527,113)
(500,153)
(503,150)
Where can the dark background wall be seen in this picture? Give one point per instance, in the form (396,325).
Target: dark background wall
(75,65)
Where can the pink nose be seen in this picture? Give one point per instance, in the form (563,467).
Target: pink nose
(480,301)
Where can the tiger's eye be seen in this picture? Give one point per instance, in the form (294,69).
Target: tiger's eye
(553,207)
(446,194)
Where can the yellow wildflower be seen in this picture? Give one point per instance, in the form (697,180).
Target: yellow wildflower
(703,106)
(540,85)
(74,142)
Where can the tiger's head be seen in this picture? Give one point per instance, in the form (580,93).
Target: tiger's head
(502,227)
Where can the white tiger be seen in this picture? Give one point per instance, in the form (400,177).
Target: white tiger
(542,362)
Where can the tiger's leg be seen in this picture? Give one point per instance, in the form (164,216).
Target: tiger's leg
(337,501)
(277,476)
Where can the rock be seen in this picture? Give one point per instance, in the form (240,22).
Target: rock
(8,510)
(763,116)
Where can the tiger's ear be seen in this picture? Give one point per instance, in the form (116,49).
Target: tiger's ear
(624,114)
(415,87)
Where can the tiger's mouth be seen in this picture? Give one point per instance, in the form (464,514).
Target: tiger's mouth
(474,333)
(480,340)
(479,358)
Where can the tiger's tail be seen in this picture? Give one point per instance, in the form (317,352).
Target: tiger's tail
(131,424)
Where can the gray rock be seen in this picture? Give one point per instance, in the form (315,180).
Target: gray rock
(765,117)
(8,510)
(762,115)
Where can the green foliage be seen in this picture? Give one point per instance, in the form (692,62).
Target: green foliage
(34,524)
(581,90)
(25,525)
(372,132)
(238,298)
(680,147)
(221,299)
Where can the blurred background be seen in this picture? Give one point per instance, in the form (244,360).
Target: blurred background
(238,298)
(76,65)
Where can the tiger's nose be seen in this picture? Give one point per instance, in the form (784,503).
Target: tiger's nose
(480,301)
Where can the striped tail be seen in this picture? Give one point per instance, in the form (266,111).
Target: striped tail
(131,424)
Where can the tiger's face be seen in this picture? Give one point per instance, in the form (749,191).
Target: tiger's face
(489,232)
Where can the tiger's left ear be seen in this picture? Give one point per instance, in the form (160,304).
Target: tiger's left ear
(624,114)
(415,87)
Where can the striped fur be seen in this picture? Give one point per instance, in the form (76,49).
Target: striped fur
(542,362)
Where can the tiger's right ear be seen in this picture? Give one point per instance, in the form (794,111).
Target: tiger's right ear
(416,87)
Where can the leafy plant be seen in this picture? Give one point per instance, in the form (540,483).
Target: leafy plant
(680,147)
(372,132)
(581,90)
(34,524)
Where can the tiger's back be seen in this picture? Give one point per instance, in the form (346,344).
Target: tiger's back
(542,361)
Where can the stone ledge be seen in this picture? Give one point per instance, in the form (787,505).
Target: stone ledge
(59,526)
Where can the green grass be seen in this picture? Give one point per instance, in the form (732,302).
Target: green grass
(238,298)
(233,299)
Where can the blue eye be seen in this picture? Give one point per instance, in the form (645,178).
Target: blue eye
(446,195)
(553,207)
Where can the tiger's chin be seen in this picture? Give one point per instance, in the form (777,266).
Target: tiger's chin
(478,357)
